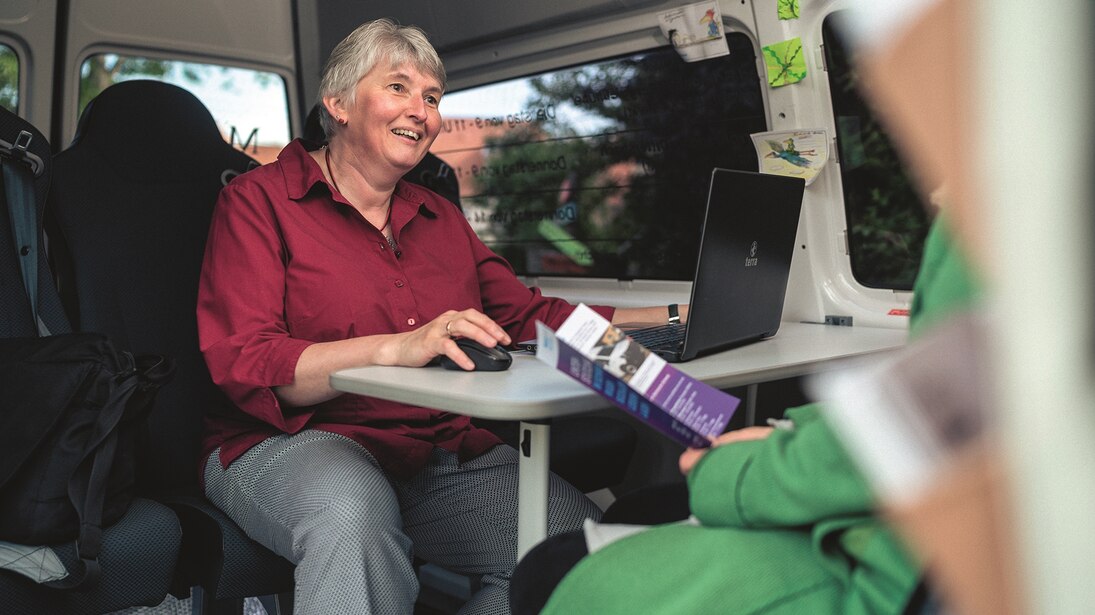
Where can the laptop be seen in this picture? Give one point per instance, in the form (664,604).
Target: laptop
(746,246)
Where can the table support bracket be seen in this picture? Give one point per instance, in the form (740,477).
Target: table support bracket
(532,502)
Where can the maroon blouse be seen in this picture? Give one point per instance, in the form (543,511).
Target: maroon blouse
(289,263)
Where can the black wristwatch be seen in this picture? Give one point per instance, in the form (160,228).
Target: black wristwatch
(674,314)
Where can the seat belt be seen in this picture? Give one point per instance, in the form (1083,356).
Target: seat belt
(18,185)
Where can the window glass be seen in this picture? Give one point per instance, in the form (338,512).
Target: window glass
(251,107)
(9,78)
(602,170)
(887,222)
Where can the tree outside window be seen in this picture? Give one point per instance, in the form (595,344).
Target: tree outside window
(250,107)
(9,79)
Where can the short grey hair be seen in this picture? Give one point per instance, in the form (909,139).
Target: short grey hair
(368,45)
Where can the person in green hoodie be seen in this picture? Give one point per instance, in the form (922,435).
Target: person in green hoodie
(787,523)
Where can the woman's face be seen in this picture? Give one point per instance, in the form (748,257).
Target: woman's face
(394,116)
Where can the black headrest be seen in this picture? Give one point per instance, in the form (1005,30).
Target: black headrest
(313,130)
(435,174)
(149,129)
(133,196)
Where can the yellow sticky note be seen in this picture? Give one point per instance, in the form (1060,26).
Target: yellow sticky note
(785,61)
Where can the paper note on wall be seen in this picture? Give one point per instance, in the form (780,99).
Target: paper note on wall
(695,30)
(786,62)
(787,9)
(794,153)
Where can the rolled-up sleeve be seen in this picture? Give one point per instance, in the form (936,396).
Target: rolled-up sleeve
(241,299)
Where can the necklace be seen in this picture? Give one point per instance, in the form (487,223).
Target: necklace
(389,234)
(387,230)
(330,173)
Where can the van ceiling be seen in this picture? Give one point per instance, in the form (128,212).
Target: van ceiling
(458,24)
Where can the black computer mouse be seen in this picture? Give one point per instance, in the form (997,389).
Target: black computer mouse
(486,359)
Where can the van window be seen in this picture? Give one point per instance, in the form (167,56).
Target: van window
(9,79)
(602,170)
(251,107)
(886,221)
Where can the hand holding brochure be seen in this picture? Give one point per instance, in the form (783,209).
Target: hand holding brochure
(592,351)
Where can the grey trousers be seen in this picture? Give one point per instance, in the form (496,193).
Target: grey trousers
(321,501)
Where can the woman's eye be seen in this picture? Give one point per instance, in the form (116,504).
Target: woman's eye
(398,87)
(433,101)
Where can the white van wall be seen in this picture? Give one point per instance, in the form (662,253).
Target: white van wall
(27,26)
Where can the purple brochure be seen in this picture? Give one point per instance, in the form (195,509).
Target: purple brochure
(648,388)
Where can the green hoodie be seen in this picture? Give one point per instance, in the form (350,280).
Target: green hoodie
(787,523)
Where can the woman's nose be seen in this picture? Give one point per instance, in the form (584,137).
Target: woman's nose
(417,108)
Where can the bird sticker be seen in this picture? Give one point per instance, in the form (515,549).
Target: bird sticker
(786,151)
(796,153)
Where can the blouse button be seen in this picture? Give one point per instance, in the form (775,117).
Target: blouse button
(399,283)
(410,321)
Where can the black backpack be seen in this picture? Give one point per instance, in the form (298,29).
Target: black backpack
(71,413)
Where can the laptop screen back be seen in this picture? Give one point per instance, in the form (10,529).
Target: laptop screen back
(745,259)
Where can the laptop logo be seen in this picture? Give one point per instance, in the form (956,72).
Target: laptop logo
(751,261)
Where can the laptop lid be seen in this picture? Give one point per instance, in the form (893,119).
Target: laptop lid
(746,246)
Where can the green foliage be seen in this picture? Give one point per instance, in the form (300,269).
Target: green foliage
(104,70)
(887,221)
(9,78)
(634,168)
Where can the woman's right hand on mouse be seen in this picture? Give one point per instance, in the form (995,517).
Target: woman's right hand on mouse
(418,348)
(311,382)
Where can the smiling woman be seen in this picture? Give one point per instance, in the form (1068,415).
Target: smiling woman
(348,265)
(383,127)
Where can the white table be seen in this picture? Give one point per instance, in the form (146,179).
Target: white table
(534,393)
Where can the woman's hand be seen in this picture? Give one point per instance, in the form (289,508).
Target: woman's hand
(311,383)
(418,348)
(690,457)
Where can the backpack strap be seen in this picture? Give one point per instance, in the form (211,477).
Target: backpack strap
(87,487)
(17,179)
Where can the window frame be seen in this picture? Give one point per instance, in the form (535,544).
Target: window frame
(849,185)
(73,111)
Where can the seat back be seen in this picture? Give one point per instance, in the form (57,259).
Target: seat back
(139,551)
(133,196)
(16,319)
